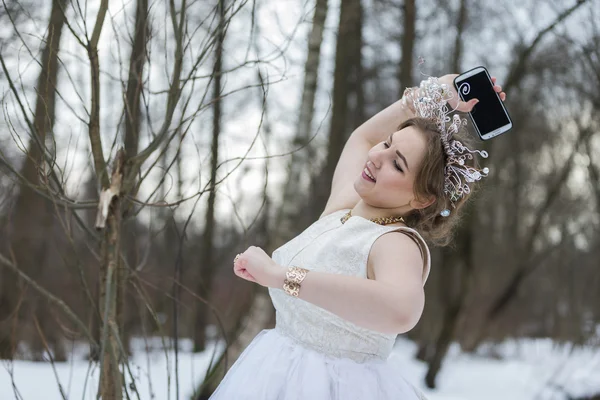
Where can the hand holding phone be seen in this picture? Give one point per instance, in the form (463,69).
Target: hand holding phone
(489,116)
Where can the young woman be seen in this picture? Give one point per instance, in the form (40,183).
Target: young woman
(352,281)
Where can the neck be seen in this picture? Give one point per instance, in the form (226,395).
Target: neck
(364,210)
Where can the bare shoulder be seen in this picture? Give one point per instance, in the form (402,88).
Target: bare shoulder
(395,256)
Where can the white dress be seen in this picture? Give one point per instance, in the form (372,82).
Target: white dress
(312,354)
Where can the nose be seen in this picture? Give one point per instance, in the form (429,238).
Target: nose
(375,158)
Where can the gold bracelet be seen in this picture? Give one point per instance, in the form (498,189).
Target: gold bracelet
(295,276)
(291,288)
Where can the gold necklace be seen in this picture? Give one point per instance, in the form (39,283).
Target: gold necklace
(377,220)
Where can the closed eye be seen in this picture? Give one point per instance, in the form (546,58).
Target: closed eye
(395,162)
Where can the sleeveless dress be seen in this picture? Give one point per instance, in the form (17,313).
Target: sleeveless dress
(312,354)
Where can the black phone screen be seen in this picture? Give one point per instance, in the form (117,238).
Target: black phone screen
(488,114)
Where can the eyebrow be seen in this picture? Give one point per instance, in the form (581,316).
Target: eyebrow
(399,154)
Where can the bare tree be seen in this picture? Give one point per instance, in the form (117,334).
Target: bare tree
(133,122)
(119,185)
(208,266)
(462,257)
(525,249)
(162,269)
(345,63)
(461,23)
(298,163)
(32,214)
(405,70)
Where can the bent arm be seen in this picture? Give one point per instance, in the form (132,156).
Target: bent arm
(392,303)
(379,127)
(354,154)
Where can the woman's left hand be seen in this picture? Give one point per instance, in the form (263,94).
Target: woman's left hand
(457,103)
(256,266)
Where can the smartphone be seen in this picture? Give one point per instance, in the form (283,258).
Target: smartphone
(489,116)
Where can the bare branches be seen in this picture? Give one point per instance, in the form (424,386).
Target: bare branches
(518,69)
(93,43)
(50,297)
(160,85)
(553,192)
(94,124)
(174,91)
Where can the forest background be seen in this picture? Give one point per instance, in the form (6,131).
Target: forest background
(145,143)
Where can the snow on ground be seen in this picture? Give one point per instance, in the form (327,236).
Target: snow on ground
(526,369)
(154,372)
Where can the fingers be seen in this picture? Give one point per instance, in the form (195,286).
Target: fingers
(498,89)
(246,275)
(241,262)
(243,273)
(467,106)
(239,268)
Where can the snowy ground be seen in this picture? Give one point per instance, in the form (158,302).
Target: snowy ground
(524,369)
(520,370)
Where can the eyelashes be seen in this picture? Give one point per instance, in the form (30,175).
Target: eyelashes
(395,162)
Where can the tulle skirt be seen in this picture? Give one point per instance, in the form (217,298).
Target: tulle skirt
(275,367)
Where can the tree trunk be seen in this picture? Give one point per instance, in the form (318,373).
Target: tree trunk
(350,17)
(525,252)
(516,74)
(133,122)
(356,104)
(111,381)
(259,312)
(458,42)
(458,261)
(287,219)
(460,258)
(135,80)
(32,218)
(207,269)
(408,43)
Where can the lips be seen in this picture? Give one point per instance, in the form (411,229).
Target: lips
(367,174)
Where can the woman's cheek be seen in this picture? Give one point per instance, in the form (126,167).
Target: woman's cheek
(407,184)
(400,183)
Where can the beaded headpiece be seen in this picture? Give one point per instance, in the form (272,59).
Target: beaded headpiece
(430,101)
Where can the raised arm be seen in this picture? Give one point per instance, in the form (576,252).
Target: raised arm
(354,155)
(375,130)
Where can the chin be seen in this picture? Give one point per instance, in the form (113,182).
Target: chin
(359,189)
(357,185)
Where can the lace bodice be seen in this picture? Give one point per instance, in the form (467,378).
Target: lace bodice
(333,247)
